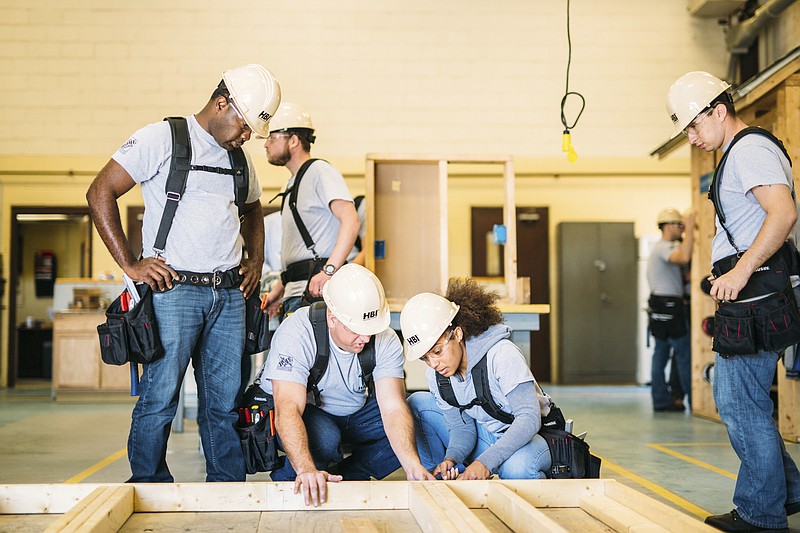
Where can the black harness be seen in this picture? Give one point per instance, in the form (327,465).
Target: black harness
(366,359)
(179,167)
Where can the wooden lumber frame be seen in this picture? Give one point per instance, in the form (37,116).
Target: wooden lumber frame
(523,505)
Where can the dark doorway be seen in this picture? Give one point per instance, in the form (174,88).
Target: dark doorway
(43,223)
(533,261)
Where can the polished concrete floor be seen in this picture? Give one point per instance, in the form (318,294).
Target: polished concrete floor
(677,458)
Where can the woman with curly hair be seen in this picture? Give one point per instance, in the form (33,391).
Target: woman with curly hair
(453,335)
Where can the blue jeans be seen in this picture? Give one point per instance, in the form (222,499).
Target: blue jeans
(206,325)
(372,455)
(768,478)
(529,462)
(682,351)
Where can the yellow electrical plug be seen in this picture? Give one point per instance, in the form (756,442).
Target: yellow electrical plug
(566,143)
(566,146)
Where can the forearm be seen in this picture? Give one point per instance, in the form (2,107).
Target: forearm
(463,435)
(344,243)
(294,438)
(399,426)
(253,232)
(106,218)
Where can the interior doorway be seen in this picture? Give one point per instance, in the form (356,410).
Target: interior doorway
(533,261)
(46,242)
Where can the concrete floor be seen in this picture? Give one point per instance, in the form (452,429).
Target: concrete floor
(677,458)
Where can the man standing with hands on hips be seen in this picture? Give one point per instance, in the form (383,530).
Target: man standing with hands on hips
(199,276)
(753,196)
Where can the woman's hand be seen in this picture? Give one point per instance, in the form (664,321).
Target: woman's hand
(476,470)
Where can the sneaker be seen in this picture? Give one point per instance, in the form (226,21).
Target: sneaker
(733,522)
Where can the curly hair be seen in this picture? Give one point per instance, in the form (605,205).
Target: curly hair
(478,306)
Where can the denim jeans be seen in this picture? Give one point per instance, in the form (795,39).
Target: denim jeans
(682,352)
(529,462)
(768,478)
(206,325)
(372,455)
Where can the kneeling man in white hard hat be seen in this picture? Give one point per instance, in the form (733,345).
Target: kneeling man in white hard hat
(335,370)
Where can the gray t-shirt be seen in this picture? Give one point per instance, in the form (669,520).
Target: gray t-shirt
(754,160)
(293,352)
(320,185)
(664,278)
(205,231)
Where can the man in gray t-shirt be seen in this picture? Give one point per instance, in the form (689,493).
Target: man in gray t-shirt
(313,425)
(754,191)
(324,206)
(199,276)
(669,319)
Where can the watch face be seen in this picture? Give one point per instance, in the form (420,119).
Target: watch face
(329,269)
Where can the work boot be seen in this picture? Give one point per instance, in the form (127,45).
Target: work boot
(733,522)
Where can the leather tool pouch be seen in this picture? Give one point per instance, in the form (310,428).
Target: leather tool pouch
(667,317)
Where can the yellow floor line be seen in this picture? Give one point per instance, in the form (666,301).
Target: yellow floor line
(693,461)
(657,489)
(97,467)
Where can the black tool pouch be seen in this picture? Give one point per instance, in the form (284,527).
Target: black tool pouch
(256,428)
(771,323)
(130,336)
(667,317)
(570,457)
(256,322)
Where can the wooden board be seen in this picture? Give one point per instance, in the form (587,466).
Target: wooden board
(556,506)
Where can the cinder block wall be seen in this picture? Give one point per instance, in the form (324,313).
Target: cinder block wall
(453,75)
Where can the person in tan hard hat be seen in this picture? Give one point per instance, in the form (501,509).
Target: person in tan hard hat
(198,275)
(668,309)
(756,318)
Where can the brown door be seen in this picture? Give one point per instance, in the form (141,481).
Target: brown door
(533,261)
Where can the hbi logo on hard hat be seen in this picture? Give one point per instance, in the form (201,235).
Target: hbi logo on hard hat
(412,340)
(264,116)
(369,315)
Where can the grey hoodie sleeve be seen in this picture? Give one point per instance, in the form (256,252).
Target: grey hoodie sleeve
(463,435)
(527,422)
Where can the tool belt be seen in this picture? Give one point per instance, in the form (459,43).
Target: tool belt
(772,276)
(256,429)
(771,323)
(667,316)
(302,270)
(217,280)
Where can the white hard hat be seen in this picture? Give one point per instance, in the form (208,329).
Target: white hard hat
(290,116)
(355,297)
(423,320)
(691,94)
(665,216)
(255,93)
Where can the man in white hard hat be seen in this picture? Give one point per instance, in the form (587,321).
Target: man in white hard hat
(198,275)
(668,310)
(320,233)
(359,398)
(755,207)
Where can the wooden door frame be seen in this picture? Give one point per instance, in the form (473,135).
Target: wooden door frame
(12,356)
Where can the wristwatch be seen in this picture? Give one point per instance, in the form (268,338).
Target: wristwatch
(329,269)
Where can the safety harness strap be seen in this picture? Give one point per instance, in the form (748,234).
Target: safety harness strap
(291,192)
(483,393)
(179,167)
(366,359)
(714,189)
